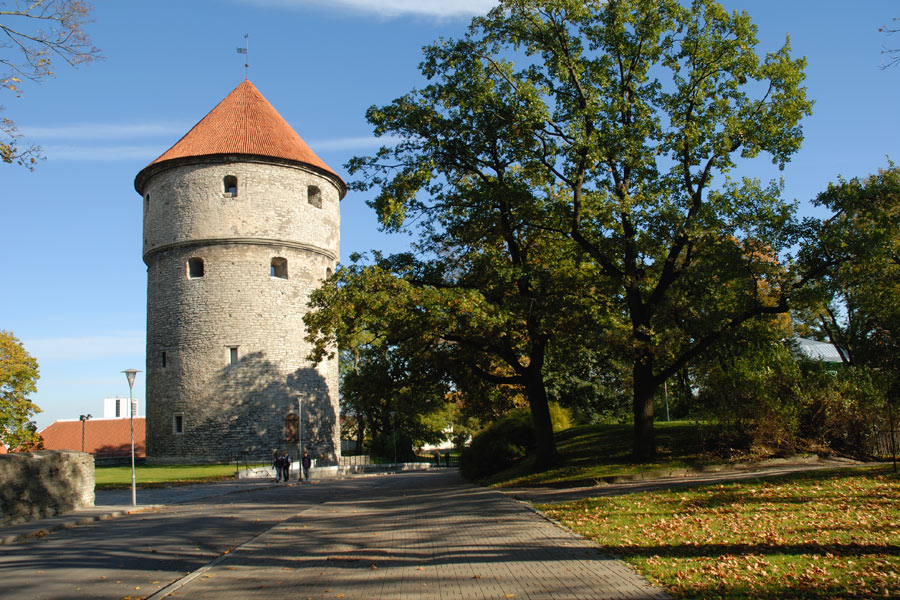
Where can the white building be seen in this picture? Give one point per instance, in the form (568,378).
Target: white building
(117,408)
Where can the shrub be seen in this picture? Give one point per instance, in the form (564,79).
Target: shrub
(752,399)
(506,441)
(844,411)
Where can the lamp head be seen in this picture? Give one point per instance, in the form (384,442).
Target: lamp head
(130,373)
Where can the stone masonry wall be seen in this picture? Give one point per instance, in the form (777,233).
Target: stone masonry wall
(224,405)
(40,484)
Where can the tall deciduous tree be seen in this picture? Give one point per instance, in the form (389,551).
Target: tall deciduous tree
(619,122)
(18,374)
(34,36)
(861,312)
(478,310)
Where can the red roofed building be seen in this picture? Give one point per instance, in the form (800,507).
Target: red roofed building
(104,438)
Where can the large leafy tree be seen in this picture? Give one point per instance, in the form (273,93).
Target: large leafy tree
(383,381)
(34,36)
(619,123)
(18,374)
(475,311)
(860,313)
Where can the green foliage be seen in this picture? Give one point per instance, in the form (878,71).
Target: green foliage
(18,375)
(575,157)
(392,391)
(766,399)
(845,410)
(506,441)
(858,310)
(752,398)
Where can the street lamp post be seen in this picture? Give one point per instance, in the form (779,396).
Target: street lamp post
(300,437)
(83,418)
(394,433)
(130,373)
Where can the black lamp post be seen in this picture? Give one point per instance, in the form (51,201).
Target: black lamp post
(83,418)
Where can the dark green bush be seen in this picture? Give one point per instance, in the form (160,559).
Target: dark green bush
(752,399)
(506,441)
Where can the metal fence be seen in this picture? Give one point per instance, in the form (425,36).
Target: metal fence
(355,460)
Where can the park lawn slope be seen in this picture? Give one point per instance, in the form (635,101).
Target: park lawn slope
(833,534)
(107,478)
(589,454)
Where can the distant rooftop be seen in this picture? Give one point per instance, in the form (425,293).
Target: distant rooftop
(102,437)
(821,351)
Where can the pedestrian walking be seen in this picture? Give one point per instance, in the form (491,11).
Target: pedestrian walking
(286,466)
(277,465)
(306,463)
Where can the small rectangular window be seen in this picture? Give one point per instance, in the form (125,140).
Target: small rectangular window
(278,268)
(178,424)
(233,355)
(163,360)
(196,268)
(314,196)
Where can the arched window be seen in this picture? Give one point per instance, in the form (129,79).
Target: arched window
(230,183)
(328,272)
(196,268)
(314,196)
(278,268)
(147,198)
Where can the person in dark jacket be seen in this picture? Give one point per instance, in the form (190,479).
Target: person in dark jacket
(285,466)
(277,465)
(306,463)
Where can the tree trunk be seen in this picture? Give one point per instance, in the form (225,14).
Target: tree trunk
(540,417)
(360,431)
(643,389)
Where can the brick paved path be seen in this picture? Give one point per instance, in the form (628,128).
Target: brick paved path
(405,536)
(424,536)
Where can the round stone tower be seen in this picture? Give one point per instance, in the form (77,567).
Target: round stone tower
(241,223)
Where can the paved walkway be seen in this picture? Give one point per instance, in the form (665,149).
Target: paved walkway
(417,535)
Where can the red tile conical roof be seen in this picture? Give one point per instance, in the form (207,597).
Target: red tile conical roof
(244,123)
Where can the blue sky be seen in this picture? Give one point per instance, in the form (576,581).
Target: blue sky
(74,284)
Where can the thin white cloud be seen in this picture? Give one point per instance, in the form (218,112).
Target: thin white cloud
(103,131)
(103,153)
(392,8)
(116,345)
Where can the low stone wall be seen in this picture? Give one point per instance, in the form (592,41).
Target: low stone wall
(41,484)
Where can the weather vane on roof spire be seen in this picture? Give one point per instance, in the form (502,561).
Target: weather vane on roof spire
(246,52)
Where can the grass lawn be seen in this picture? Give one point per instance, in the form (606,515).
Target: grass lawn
(159,475)
(823,535)
(593,452)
